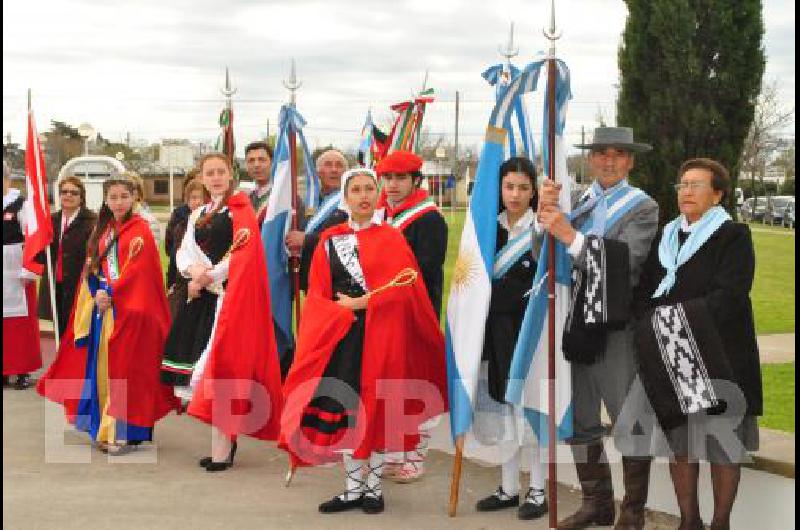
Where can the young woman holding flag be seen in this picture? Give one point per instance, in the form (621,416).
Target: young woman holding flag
(515,268)
(220,354)
(106,373)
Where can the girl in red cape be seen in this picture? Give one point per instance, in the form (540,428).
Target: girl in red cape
(21,350)
(370,364)
(221,354)
(106,372)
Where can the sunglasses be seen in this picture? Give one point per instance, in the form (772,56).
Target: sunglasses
(74,193)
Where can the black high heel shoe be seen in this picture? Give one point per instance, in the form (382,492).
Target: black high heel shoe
(212,466)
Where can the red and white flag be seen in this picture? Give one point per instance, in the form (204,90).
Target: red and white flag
(39,228)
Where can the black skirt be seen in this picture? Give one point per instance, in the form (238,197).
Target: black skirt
(194,320)
(332,411)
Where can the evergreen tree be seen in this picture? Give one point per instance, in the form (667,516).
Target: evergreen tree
(690,74)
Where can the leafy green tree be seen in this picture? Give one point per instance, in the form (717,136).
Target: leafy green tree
(690,75)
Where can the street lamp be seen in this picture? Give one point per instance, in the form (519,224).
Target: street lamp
(88,132)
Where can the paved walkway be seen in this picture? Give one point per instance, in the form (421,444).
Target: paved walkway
(777,348)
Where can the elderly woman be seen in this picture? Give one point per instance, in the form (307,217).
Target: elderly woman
(696,341)
(72,226)
(369,343)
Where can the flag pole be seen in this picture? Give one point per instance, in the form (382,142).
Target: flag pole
(508,53)
(48,256)
(228,92)
(552,35)
(292,84)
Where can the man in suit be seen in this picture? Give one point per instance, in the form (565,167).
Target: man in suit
(625,218)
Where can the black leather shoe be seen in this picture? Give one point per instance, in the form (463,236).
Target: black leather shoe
(497,501)
(6,381)
(203,462)
(373,505)
(534,506)
(337,504)
(23,381)
(212,466)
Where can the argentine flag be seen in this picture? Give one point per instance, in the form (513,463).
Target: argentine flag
(520,134)
(471,285)
(528,376)
(277,223)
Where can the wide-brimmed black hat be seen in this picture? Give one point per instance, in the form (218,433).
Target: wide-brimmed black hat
(619,137)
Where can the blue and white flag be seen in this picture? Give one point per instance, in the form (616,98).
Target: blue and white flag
(277,223)
(528,376)
(520,137)
(365,143)
(471,286)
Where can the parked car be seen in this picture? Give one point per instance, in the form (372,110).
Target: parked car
(776,207)
(754,213)
(788,216)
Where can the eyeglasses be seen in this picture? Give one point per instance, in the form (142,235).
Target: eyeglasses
(692,186)
(74,193)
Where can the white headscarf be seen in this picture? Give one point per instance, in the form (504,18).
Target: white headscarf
(377,218)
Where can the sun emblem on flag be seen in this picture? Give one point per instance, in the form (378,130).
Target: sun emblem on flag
(465,270)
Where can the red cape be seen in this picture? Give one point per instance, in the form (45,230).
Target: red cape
(242,370)
(141,322)
(403,348)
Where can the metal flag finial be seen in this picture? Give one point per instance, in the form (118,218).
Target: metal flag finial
(551,33)
(425,82)
(292,84)
(228,91)
(510,50)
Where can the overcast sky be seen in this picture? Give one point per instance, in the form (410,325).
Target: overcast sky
(154,69)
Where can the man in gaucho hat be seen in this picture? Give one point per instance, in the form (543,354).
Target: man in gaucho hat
(608,236)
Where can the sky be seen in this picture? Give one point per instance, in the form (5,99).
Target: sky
(154,69)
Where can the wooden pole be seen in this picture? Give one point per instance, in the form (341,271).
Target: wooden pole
(51,285)
(456,479)
(552,486)
(551,302)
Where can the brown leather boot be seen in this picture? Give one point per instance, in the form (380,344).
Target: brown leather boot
(636,475)
(598,494)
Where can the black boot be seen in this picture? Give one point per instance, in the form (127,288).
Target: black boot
(498,500)
(594,474)
(636,473)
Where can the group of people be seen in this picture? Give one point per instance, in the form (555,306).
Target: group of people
(660,329)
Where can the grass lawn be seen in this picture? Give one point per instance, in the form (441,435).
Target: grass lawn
(778,384)
(772,294)
(773,290)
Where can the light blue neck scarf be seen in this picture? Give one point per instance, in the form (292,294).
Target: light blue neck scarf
(606,206)
(672,254)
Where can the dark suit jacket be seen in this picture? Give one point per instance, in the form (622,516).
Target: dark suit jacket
(73,248)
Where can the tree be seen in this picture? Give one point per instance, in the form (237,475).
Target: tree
(690,73)
(770,116)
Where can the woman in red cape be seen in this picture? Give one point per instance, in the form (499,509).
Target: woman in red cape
(370,365)
(106,372)
(222,343)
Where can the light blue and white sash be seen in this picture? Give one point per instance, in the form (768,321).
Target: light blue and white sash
(672,254)
(511,252)
(328,206)
(604,214)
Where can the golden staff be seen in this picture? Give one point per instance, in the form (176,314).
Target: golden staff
(403,278)
(135,247)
